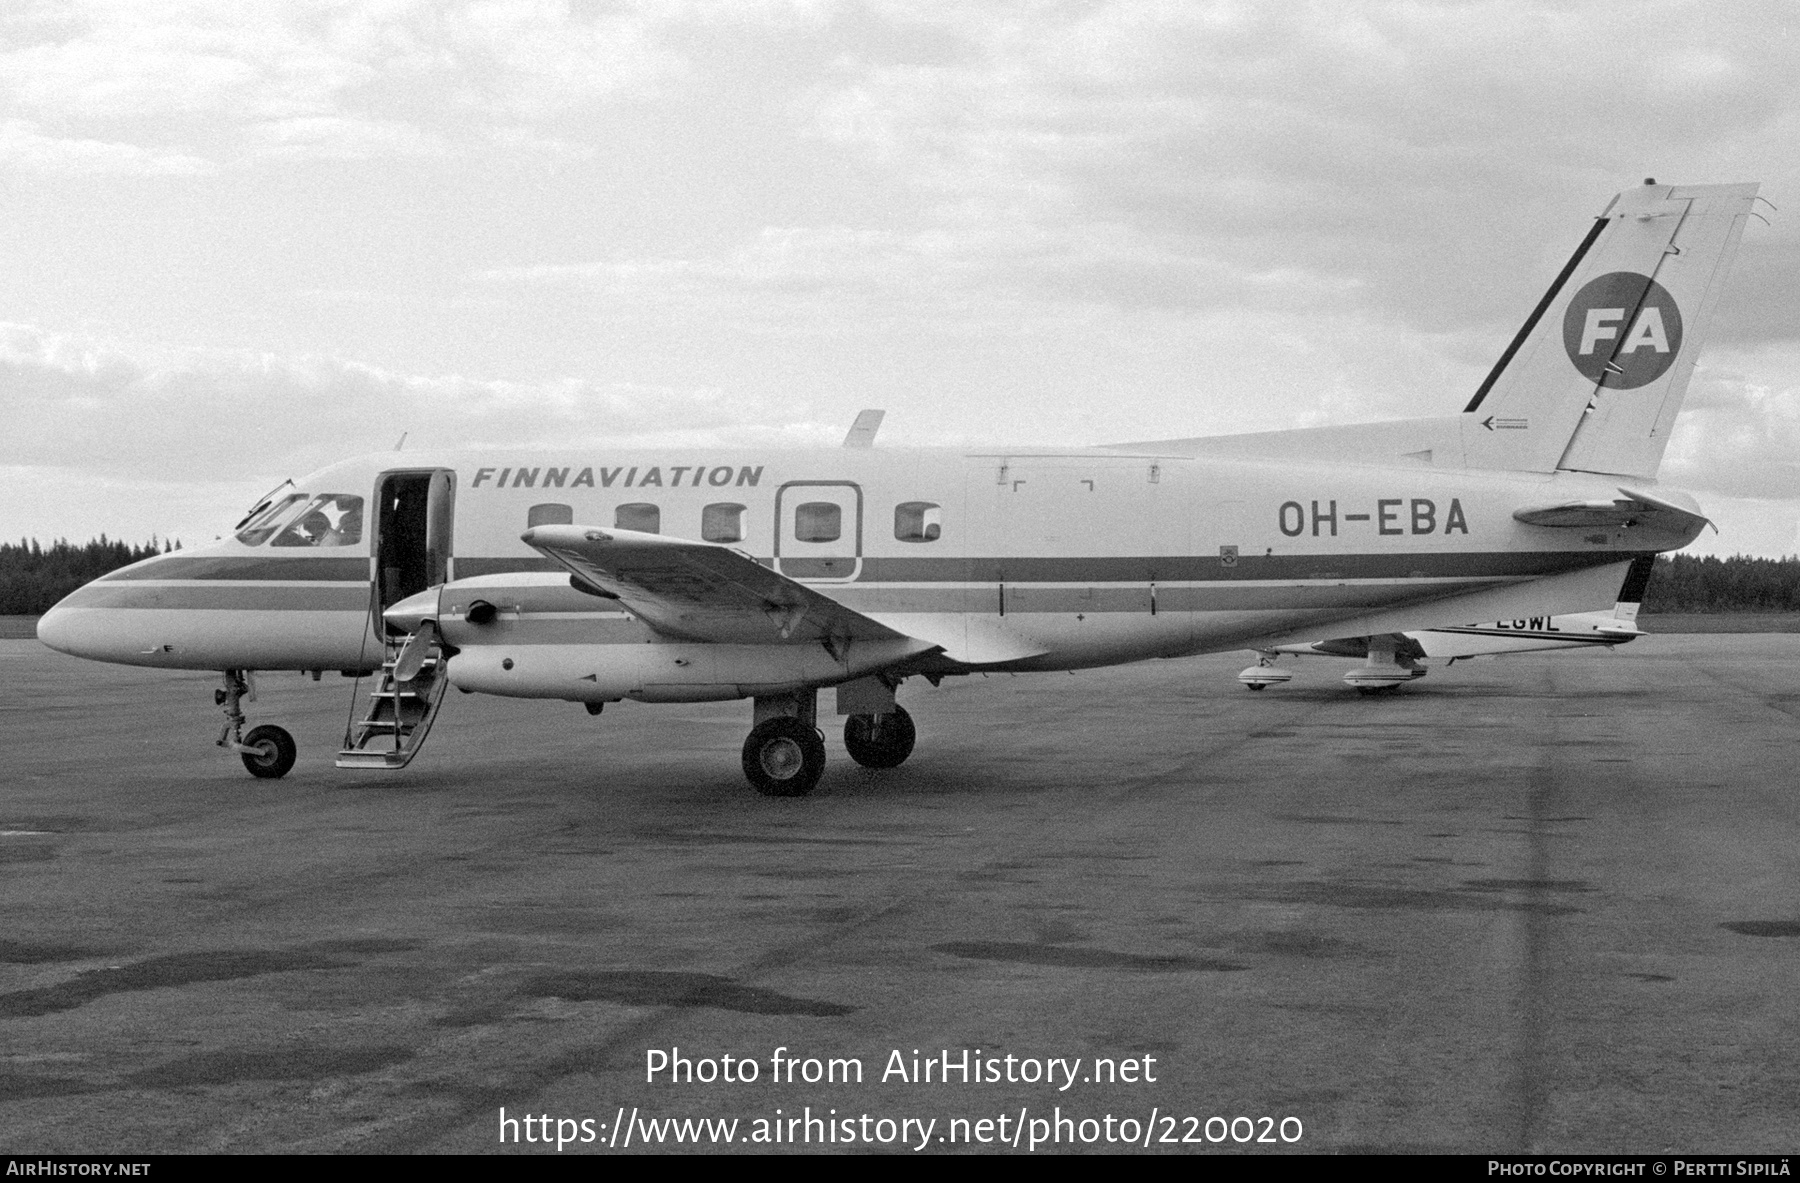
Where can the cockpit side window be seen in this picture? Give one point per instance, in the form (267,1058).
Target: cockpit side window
(260,525)
(330,519)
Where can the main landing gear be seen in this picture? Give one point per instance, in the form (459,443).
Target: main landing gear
(1385,670)
(268,751)
(1264,673)
(784,755)
(880,741)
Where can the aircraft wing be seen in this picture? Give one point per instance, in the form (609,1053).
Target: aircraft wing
(1631,508)
(701,591)
(1404,645)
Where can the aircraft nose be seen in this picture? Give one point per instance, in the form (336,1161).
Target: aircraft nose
(56,628)
(89,623)
(215,611)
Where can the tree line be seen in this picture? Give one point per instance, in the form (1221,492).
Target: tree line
(33,577)
(1704,583)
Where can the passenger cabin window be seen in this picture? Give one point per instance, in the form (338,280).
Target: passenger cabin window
(550,514)
(818,521)
(723,522)
(330,519)
(640,516)
(267,519)
(918,521)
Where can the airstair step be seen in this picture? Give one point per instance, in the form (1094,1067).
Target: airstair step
(401,710)
(357,758)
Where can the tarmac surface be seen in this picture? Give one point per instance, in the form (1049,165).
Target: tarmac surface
(1548,903)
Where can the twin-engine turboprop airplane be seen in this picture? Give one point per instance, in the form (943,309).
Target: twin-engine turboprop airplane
(1391,661)
(593,575)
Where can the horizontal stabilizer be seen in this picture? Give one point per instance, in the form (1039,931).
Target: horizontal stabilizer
(1632,508)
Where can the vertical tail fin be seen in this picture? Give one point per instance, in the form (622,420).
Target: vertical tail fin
(1595,378)
(1631,592)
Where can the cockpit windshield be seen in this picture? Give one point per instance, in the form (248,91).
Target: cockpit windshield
(328,519)
(265,520)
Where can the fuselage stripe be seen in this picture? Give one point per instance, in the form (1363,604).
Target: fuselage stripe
(1158,569)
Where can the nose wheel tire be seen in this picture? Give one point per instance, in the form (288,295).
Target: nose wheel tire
(784,757)
(880,741)
(274,755)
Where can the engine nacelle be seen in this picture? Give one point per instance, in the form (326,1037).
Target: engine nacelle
(668,672)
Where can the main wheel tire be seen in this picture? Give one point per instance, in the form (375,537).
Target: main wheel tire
(275,752)
(880,741)
(784,757)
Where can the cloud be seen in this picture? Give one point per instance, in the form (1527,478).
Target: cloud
(300,79)
(1358,142)
(824,279)
(25,147)
(78,403)
(1083,222)
(533,58)
(318,137)
(1737,435)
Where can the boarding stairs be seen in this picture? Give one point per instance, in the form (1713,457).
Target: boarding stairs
(402,706)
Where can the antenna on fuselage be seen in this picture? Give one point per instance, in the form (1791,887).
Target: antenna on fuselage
(401,443)
(862,432)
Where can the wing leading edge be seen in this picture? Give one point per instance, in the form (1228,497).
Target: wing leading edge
(701,591)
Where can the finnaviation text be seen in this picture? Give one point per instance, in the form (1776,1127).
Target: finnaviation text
(635,477)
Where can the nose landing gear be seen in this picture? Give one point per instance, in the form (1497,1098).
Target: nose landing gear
(268,751)
(275,752)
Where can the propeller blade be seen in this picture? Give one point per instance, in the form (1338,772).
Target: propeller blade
(413,654)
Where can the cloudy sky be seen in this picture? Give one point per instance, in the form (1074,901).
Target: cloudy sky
(240,241)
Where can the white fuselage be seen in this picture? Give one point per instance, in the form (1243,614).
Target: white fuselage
(1033,560)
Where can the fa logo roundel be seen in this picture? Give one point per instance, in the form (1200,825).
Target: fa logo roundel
(1622,330)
